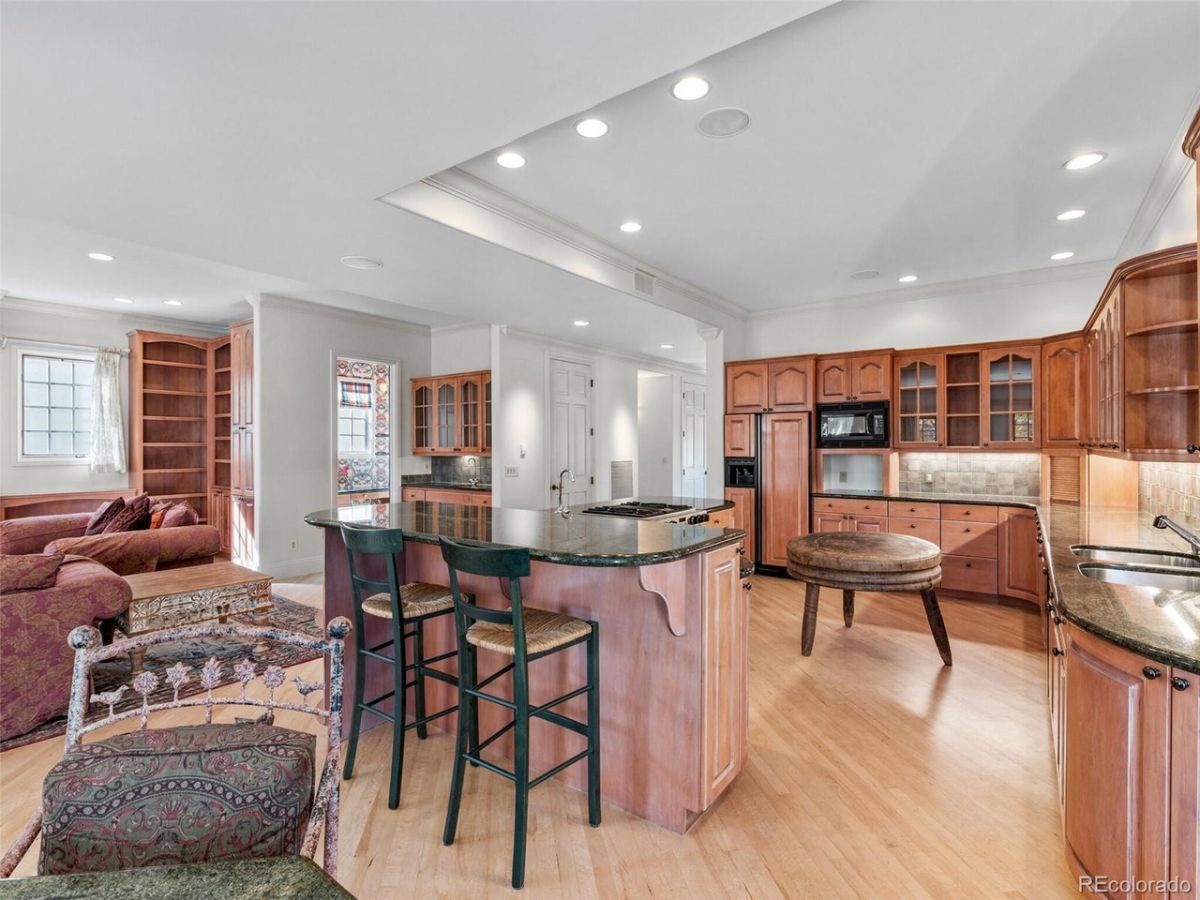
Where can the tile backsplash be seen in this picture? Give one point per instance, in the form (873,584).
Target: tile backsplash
(1001,474)
(1171,489)
(457,469)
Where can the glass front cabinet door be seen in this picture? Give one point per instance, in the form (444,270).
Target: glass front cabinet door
(446,398)
(422,417)
(920,408)
(469,401)
(1011,397)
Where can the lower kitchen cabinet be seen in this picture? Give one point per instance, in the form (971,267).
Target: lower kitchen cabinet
(1184,863)
(1020,564)
(743,515)
(446,495)
(219,517)
(726,686)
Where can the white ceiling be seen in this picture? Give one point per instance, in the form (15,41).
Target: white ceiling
(256,137)
(911,137)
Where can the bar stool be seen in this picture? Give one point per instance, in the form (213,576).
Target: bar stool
(525,634)
(403,604)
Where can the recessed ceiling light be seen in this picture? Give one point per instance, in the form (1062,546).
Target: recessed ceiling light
(361,262)
(865,275)
(510,160)
(691,88)
(172,303)
(907,279)
(592,128)
(1071,214)
(1084,160)
(1062,254)
(666,346)
(582,323)
(101,257)
(630,227)
(121,300)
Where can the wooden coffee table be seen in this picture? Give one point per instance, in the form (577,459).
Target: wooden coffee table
(171,598)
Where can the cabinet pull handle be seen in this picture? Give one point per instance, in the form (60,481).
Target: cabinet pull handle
(1180,684)
(1049,607)
(1056,651)
(747,585)
(1151,672)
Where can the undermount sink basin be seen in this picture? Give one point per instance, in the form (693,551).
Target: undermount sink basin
(1169,581)
(1137,557)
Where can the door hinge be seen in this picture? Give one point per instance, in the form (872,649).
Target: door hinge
(591,382)
(591,432)
(591,479)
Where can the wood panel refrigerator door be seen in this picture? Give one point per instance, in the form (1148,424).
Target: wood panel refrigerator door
(570,421)
(784,462)
(695,447)
(1117,761)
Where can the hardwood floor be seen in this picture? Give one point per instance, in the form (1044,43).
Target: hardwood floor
(873,772)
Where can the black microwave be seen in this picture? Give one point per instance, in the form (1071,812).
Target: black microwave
(853,424)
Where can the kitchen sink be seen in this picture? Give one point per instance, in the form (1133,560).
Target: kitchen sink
(1169,581)
(1136,556)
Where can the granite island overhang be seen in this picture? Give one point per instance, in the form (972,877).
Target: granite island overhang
(673,613)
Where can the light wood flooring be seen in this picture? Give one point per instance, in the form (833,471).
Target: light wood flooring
(873,772)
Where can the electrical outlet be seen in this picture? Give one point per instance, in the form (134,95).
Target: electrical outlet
(929,478)
(294,545)
(512,471)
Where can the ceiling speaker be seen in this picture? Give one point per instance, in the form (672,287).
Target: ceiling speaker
(724,122)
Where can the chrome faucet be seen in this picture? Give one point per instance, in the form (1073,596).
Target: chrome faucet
(1164,522)
(473,481)
(562,504)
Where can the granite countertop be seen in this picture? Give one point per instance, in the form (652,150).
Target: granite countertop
(249,879)
(572,538)
(446,485)
(1162,625)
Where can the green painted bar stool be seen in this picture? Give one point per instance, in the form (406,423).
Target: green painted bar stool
(403,604)
(525,634)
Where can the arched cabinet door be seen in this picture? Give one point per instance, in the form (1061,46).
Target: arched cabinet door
(1010,398)
(870,377)
(789,385)
(833,381)
(1062,393)
(745,387)
(919,417)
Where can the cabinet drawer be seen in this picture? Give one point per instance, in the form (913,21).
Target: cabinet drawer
(854,507)
(969,512)
(969,538)
(408,495)
(926,529)
(917,510)
(964,573)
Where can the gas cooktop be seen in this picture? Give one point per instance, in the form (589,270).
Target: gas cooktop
(637,509)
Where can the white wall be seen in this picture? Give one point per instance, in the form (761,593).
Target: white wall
(295,345)
(460,348)
(1002,310)
(520,369)
(1177,224)
(658,449)
(67,325)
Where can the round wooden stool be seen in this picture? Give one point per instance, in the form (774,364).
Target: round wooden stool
(855,561)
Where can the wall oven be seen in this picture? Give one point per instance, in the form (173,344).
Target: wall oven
(853,424)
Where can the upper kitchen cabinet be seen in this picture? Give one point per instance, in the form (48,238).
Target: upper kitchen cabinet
(746,387)
(1062,392)
(964,403)
(920,410)
(452,414)
(854,378)
(1011,401)
(1159,355)
(470,413)
(739,435)
(422,404)
(790,385)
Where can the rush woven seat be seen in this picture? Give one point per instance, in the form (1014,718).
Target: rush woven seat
(417,598)
(543,631)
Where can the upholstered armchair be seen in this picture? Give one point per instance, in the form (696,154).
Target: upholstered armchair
(34,625)
(199,793)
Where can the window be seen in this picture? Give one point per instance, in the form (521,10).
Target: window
(56,406)
(354,430)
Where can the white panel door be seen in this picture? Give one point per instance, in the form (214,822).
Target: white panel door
(695,442)
(571,416)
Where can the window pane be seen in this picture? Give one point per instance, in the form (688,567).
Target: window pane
(37,442)
(83,420)
(62,395)
(61,442)
(37,394)
(83,397)
(37,418)
(83,372)
(62,420)
(62,371)
(83,441)
(36,369)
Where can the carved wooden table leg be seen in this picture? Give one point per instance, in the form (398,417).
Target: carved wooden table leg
(934,613)
(848,607)
(812,595)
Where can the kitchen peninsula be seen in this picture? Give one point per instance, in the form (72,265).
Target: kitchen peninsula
(673,610)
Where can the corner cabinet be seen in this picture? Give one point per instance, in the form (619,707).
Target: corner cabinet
(452,414)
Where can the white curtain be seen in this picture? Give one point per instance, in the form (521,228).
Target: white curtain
(108,435)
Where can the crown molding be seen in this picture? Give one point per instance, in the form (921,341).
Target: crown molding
(463,186)
(457,326)
(309,308)
(587,349)
(965,287)
(1168,178)
(160,323)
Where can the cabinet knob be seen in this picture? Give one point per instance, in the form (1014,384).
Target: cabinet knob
(747,585)
(1049,607)
(1056,651)
(1057,620)
(1180,684)
(966,531)
(968,565)
(1151,672)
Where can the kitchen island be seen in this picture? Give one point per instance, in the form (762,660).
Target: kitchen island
(673,611)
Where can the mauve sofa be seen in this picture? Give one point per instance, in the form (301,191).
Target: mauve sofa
(124,552)
(35,661)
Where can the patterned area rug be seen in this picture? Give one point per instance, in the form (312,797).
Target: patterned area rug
(287,614)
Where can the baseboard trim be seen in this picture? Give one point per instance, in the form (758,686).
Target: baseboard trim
(284,569)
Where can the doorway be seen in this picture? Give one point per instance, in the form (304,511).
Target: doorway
(570,431)
(694,450)
(363,431)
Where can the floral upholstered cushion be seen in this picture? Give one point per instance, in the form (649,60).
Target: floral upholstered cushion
(32,572)
(104,515)
(134,517)
(199,793)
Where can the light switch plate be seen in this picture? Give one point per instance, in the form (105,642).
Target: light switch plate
(512,471)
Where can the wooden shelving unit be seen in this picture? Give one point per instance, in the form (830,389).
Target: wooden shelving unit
(963,406)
